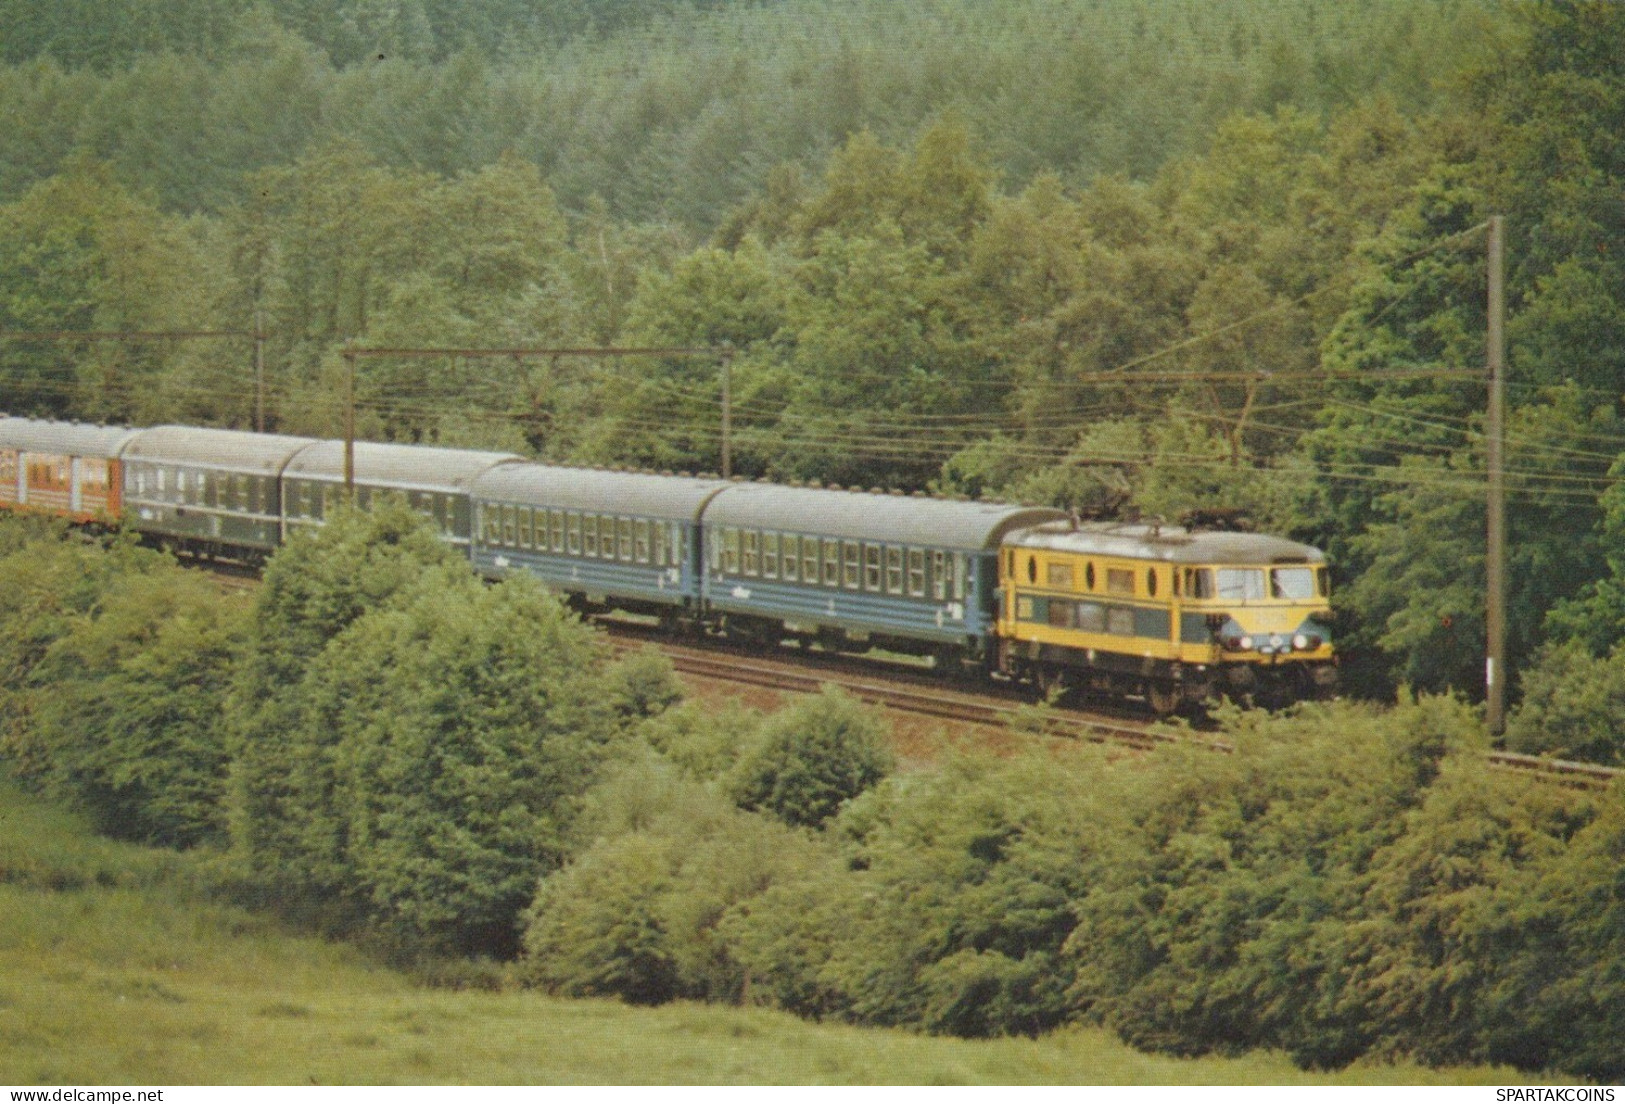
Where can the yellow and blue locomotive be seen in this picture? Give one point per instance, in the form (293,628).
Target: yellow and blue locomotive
(1169,613)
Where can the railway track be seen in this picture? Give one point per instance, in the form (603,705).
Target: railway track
(923,694)
(904,692)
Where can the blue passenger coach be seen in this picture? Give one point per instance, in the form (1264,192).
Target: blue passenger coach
(853,570)
(613,540)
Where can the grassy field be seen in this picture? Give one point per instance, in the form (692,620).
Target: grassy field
(114,969)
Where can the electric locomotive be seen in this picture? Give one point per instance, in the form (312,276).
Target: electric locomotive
(1172,614)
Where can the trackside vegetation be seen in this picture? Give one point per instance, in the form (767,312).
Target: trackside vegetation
(463,783)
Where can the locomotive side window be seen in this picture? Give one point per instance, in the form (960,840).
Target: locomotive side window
(1032,569)
(1089,576)
(1059,575)
(1151,581)
(1119,580)
(1292,582)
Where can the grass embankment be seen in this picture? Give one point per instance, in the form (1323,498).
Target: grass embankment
(115,968)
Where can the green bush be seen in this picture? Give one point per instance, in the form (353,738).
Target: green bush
(128,717)
(642,914)
(1573,706)
(812,756)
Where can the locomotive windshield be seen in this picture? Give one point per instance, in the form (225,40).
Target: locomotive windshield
(1245,584)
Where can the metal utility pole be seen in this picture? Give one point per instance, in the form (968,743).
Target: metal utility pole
(727,414)
(1495,678)
(259,371)
(349,425)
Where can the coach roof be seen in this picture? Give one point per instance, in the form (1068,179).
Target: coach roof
(859,515)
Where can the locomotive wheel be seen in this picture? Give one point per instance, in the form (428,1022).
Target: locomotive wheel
(1051,681)
(1164,698)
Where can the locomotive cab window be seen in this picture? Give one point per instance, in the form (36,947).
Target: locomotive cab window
(1293,582)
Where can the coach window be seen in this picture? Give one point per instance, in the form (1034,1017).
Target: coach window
(959,576)
(894,570)
(555,529)
(939,576)
(752,553)
(528,527)
(791,557)
(916,572)
(851,564)
(573,533)
(510,525)
(640,542)
(832,563)
(871,567)
(809,560)
(589,535)
(623,530)
(770,555)
(730,551)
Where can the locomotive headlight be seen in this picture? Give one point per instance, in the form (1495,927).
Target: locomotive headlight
(1301,642)
(1246,643)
